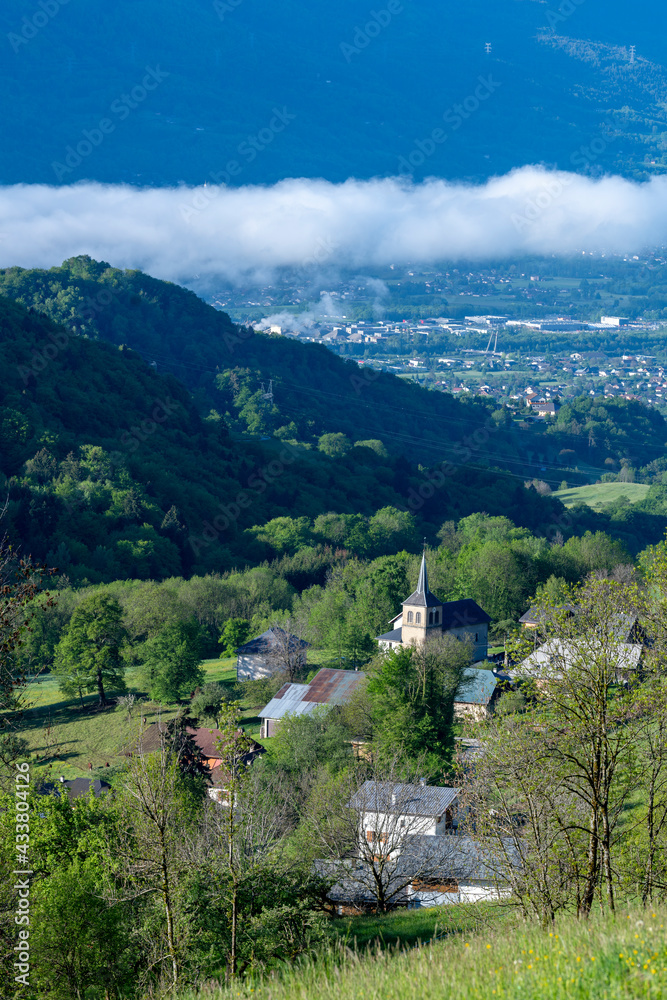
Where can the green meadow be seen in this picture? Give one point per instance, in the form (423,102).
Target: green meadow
(601,494)
(65,737)
(608,958)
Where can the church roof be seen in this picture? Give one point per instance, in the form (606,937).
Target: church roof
(459,614)
(422,597)
(396,635)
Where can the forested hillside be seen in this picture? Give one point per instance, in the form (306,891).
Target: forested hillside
(315,392)
(111,472)
(340,439)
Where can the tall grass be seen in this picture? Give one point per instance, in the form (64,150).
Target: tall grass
(605,959)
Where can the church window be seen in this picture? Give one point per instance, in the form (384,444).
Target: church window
(430,617)
(409,616)
(437,618)
(418,618)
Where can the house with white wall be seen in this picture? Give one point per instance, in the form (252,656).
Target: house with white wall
(389,812)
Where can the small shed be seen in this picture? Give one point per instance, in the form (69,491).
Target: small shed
(75,788)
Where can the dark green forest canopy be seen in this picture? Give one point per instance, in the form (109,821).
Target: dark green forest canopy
(314,390)
(117,468)
(111,471)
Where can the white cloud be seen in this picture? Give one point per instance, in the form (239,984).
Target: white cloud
(245,233)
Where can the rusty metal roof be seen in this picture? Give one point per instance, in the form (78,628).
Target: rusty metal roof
(333,687)
(328,687)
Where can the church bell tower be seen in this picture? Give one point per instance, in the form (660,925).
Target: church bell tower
(422,613)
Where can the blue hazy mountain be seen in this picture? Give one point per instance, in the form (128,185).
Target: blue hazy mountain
(158,92)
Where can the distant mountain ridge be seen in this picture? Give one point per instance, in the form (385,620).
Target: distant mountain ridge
(162,93)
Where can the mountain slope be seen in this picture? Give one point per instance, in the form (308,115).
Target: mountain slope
(111,472)
(364,85)
(314,390)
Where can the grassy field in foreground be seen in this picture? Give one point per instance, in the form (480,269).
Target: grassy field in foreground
(606,959)
(600,494)
(409,928)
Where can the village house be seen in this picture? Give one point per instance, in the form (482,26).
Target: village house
(152,739)
(391,811)
(328,688)
(412,831)
(263,656)
(554,658)
(424,617)
(477,695)
(544,408)
(463,871)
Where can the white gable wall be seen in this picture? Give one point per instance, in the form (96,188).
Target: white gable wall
(253,667)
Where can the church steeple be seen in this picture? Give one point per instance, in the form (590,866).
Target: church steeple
(422,611)
(422,596)
(422,583)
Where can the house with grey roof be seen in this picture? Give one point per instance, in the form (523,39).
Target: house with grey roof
(554,658)
(328,688)
(390,811)
(425,616)
(428,871)
(265,655)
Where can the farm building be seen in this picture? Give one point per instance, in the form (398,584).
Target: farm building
(429,871)
(328,687)
(268,654)
(206,740)
(552,659)
(477,695)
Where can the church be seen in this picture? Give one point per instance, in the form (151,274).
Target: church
(424,616)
